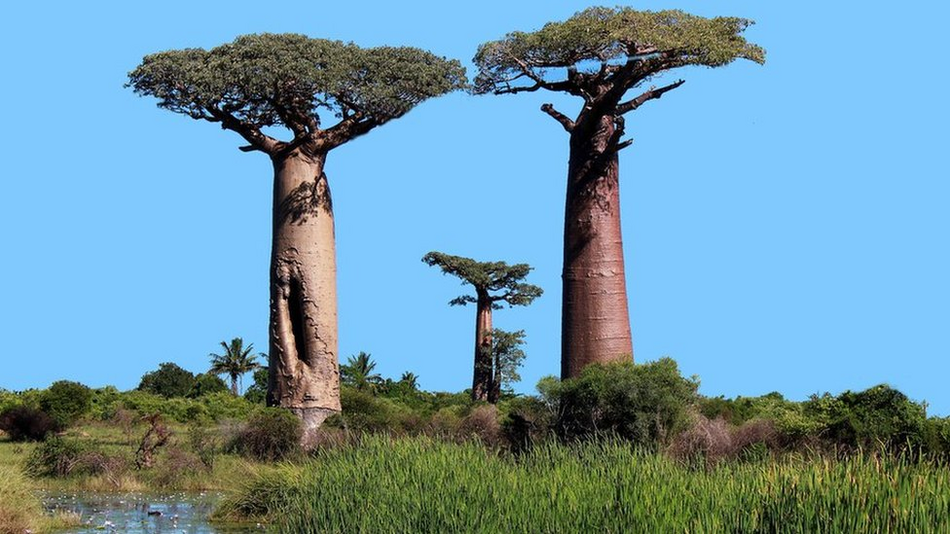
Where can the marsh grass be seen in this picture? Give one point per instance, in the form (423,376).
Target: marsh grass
(421,485)
(21,510)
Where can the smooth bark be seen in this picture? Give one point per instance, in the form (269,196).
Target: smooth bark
(595,323)
(482,377)
(304,364)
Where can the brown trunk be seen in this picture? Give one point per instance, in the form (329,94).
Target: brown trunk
(595,323)
(482,378)
(304,366)
(234,386)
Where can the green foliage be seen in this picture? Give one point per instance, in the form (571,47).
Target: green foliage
(285,79)
(365,412)
(487,277)
(508,356)
(659,40)
(876,416)
(207,383)
(271,434)
(57,457)
(66,401)
(420,485)
(257,392)
(358,372)
(169,381)
(235,362)
(25,423)
(646,404)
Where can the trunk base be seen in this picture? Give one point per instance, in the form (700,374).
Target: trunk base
(311,420)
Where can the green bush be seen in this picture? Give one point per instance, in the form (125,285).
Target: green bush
(25,423)
(271,434)
(363,411)
(205,384)
(257,392)
(168,381)
(57,457)
(66,401)
(646,404)
(878,416)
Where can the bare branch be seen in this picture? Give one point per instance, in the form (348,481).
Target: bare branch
(565,121)
(653,93)
(622,145)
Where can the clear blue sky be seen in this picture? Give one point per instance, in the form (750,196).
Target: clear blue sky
(785,226)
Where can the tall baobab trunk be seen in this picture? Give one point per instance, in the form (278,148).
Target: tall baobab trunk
(304,366)
(595,323)
(482,377)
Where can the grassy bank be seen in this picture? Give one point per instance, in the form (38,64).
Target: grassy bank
(419,485)
(21,510)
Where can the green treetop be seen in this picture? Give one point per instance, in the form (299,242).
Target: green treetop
(295,81)
(495,280)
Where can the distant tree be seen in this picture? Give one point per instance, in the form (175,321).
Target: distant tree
(257,392)
(358,372)
(235,361)
(66,401)
(626,49)
(508,357)
(168,381)
(410,380)
(207,383)
(266,80)
(494,282)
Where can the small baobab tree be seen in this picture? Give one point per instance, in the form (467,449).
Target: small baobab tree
(495,283)
(236,361)
(508,357)
(599,55)
(290,80)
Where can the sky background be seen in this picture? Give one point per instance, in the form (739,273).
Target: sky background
(785,225)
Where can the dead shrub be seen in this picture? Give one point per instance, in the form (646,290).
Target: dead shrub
(481,424)
(705,442)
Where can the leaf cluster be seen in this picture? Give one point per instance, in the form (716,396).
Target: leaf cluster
(668,38)
(263,80)
(487,277)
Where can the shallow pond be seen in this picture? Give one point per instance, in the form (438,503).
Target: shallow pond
(141,513)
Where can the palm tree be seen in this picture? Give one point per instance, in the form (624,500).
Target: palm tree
(410,379)
(358,372)
(236,360)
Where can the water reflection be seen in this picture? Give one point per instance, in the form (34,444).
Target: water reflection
(137,513)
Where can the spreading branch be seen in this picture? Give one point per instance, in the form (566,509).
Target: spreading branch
(252,134)
(653,93)
(565,121)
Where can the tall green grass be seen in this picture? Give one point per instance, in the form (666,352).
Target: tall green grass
(20,508)
(419,485)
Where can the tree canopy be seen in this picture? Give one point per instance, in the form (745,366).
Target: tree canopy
(621,42)
(292,80)
(487,277)
(600,53)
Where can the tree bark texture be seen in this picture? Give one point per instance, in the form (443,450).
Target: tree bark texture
(595,323)
(482,377)
(304,365)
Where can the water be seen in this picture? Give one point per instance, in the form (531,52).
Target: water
(140,513)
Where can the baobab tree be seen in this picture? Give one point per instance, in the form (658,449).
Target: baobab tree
(290,80)
(494,283)
(599,55)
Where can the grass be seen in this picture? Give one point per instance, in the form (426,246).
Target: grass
(21,510)
(418,485)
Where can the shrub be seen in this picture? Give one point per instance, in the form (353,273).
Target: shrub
(66,401)
(207,383)
(481,424)
(257,392)
(364,412)
(168,381)
(205,444)
(646,404)
(57,457)
(271,434)
(23,423)
(878,416)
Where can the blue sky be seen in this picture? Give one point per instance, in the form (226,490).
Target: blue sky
(785,226)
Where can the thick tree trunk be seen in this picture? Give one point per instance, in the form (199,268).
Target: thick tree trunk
(595,323)
(482,377)
(304,367)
